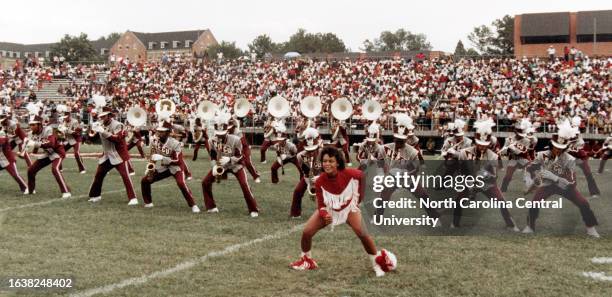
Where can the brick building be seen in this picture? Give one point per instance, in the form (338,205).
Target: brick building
(42,50)
(588,31)
(151,46)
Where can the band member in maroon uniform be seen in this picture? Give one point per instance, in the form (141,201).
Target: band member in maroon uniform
(339,192)
(234,129)
(340,139)
(552,173)
(403,158)
(7,161)
(483,162)
(52,154)
(310,167)
(72,130)
(134,139)
(518,149)
(115,155)
(286,152)
(200,137)
(181,134)
(269,138)
(226,156)
(606,153)
(370,152)
(576,149)
(16,136)
(164,163)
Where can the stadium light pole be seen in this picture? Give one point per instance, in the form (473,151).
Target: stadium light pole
(594,36)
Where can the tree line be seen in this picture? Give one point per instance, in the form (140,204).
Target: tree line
(487,40)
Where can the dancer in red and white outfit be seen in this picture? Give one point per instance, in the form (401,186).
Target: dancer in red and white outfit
(339,192)
(112,136)
(7,161)
(165,152)
(52,153)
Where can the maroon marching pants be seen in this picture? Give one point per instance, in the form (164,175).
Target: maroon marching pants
(264,147)
(11,168)
(42,163)
(492,192)
(571,194)
(103,169)
(77,154)
(179,176)
(209,180)
(246,152)
(276,166)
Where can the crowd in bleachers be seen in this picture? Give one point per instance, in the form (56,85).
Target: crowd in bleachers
(431,91)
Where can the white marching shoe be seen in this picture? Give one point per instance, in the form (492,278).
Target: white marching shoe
(527,230)
(133,201)
(195,209)
(254,214)
(95,199)
(264,162)
(133,173)
(148,205)
(66,195)
(591,231)
(213,210)
(513,229)
(83,172)
(258,180)
(189,178)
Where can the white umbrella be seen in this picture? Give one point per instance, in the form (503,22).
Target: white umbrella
(291,55)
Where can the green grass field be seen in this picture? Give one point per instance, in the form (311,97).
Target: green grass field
(168,251)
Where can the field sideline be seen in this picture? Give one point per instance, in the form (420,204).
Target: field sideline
(118,250)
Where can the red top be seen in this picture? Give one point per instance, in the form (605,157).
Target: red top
(337,184)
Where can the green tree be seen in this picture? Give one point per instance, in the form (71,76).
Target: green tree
(400,40)
(460,49)
(112,37)
(262,45)
(304,42)
(74,48)
(496,39)
(229,50)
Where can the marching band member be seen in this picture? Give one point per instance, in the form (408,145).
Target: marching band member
(226,156)
(403,158)
(310,167)
(286,152)
(16,136)
(370,151)
(134,139)
(52,153)
(413,141)
(269,138)
(200,137)
(115,155)
(164,158)
(554,175)
(7,161)
(455,140)
(234,129)
(340,139)
(72,131)
(576,149)
(181,133)
(484,159)
(339,192)
(517,148)
(606,153)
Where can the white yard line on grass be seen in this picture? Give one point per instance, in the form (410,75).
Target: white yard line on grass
(77,197)
(600,276)
(184,265)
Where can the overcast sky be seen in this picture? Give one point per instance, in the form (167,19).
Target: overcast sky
(444,22)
